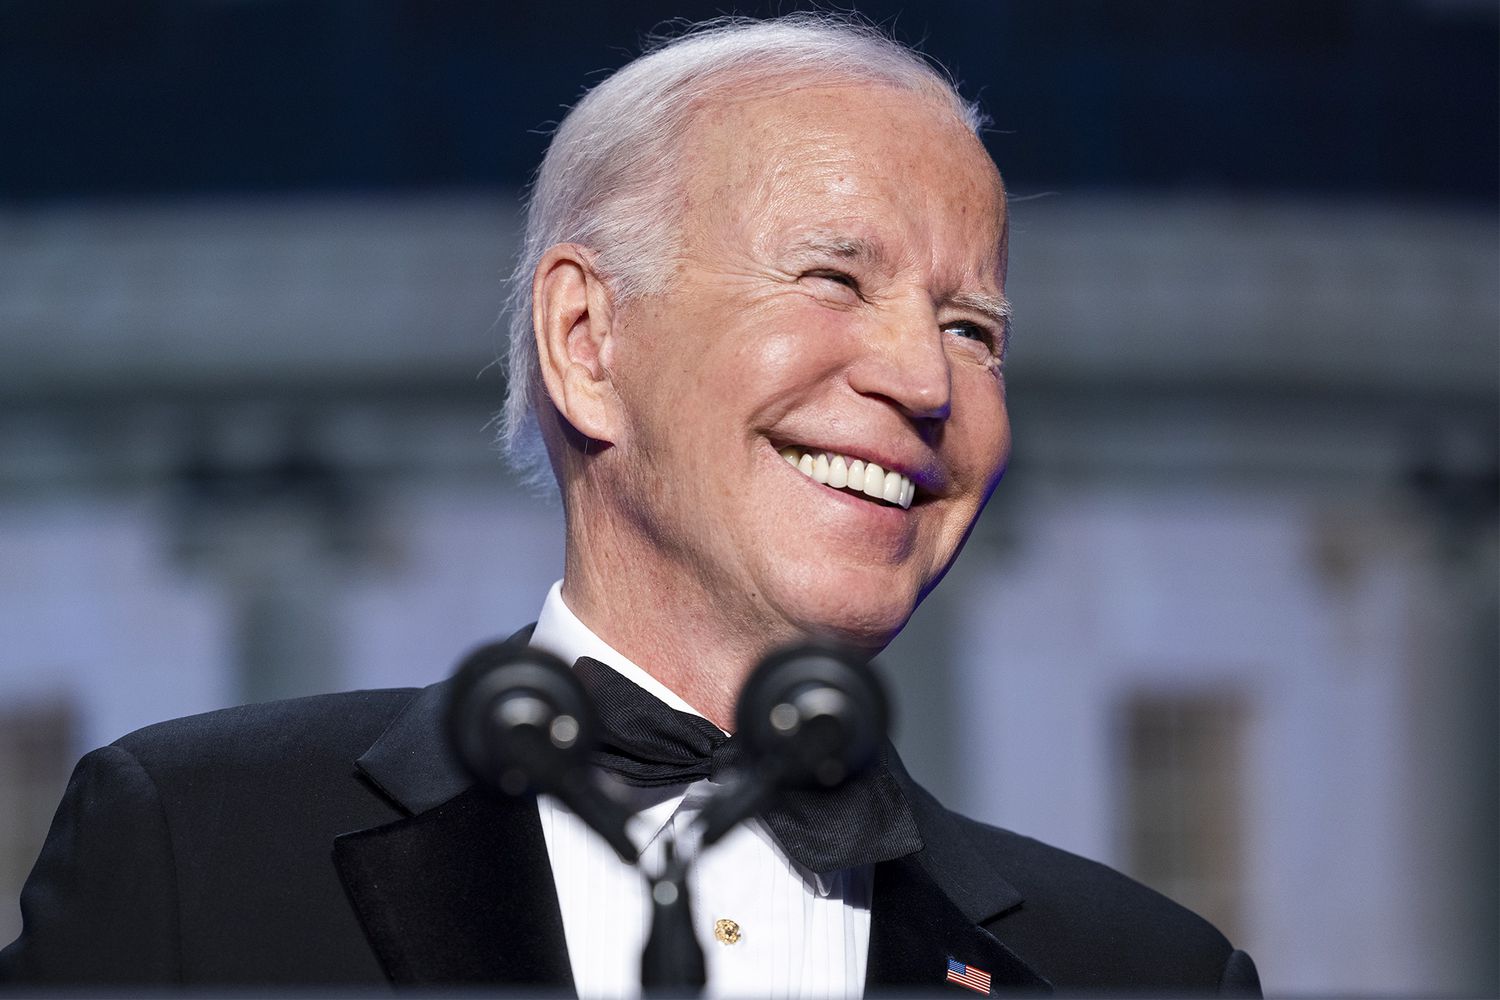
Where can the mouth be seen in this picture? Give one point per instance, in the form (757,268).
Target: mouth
(852,475)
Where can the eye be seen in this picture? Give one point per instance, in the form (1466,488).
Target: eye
(969,331)
(843,278)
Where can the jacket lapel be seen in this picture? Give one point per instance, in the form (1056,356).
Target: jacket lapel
(932,905)
(915,928)
(461,890)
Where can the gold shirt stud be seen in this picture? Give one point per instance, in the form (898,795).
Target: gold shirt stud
(726,931)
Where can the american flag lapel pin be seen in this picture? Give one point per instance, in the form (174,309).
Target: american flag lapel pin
(968,977)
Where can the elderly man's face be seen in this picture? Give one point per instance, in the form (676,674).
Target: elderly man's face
(837,296)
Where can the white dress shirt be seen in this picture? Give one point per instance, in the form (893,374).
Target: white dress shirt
(800,935)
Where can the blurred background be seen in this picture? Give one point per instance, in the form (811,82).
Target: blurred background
(1229,624)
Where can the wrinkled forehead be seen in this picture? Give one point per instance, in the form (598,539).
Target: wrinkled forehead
(844,158)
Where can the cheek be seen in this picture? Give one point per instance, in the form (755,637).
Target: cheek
(804,333)
(776,349)
(978,438)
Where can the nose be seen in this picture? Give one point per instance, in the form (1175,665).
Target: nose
(903,361)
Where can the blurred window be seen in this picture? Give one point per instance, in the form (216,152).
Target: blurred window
(36,751)
(1182,823)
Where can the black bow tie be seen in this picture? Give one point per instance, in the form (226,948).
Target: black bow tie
(648,744)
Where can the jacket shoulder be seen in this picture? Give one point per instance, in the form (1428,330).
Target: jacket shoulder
(277,734)
(198,850)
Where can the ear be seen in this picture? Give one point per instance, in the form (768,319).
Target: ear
(572,315)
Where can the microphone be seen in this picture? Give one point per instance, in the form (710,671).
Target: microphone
(810,716)
(520,722)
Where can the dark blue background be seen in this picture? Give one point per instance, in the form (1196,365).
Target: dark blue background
(1335,97)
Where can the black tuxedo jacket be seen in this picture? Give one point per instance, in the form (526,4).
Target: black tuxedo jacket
(332,840)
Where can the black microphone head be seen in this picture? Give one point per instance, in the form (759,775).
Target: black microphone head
(518,718)
(817,712)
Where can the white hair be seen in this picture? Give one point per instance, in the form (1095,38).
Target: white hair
(609,179)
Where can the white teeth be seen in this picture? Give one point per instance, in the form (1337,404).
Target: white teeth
(853,474)
(820,468)
(838,472)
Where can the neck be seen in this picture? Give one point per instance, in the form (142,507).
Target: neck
(665,620)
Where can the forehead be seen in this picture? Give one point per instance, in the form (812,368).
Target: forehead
(870,166)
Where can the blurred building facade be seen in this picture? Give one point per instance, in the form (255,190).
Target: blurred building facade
(1229,623)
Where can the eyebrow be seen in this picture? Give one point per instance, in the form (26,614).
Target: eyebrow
(995,307)
(844,247)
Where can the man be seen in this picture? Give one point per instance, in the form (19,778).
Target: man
(760,326)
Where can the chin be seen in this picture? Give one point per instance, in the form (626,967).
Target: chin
(866,611)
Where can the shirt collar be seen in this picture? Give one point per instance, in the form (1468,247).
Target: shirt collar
(561,632)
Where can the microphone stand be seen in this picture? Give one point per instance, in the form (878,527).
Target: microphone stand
(521,722)
(672,962)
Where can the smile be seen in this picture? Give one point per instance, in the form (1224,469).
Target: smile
(852,475)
